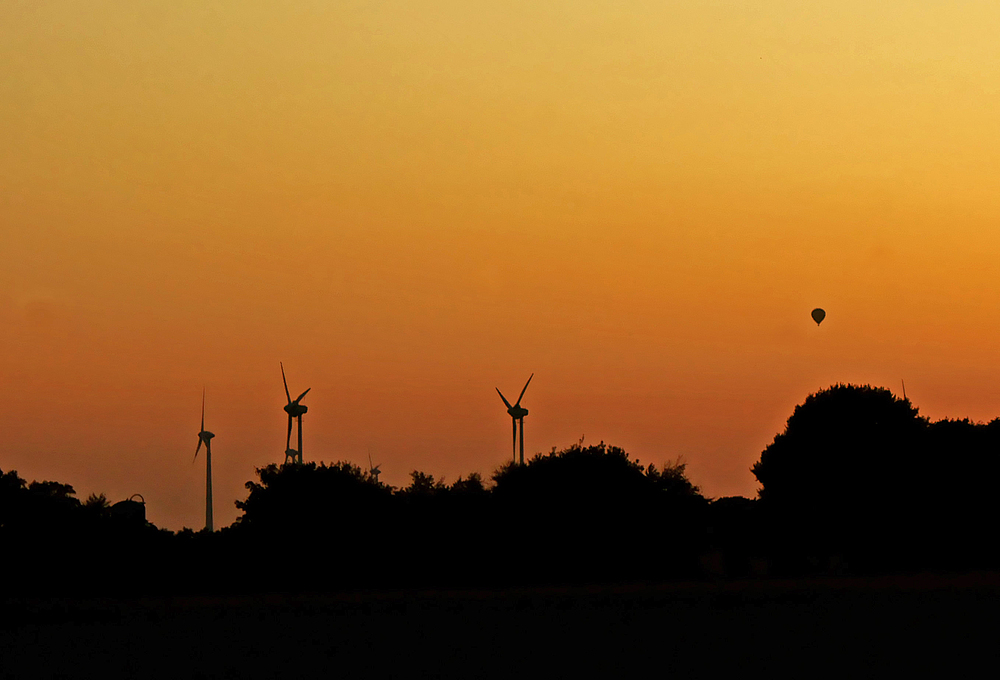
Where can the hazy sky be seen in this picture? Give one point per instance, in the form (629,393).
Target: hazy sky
(410,203)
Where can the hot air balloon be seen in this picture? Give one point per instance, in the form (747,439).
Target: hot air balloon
(818,315)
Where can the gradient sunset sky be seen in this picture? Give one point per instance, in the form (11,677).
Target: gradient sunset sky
(411,202)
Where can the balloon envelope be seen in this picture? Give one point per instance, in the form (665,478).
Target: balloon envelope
(818,315)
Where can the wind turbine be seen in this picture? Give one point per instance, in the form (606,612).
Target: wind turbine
(205,437)
(373,470)
(517,413)
(294,410)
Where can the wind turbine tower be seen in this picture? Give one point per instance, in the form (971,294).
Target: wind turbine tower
(205,437)
(517,413)
(294,410)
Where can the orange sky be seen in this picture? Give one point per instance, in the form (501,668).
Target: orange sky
(410,203)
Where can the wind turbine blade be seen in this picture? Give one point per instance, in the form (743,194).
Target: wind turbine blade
(302,395)
(197,449)
(523,391)
(285,381)
(370,465)
(202,410)
(507,403)
(288,438)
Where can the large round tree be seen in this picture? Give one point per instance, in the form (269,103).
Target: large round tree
(846,449)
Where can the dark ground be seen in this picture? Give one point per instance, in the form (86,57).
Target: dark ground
(859,627)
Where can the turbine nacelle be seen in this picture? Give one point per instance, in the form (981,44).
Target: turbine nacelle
(373,470)
(517,412)
(295,409)
(204,436)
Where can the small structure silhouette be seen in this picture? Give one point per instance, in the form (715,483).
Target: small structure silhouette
(205,437)
(517,413)
(295,410)
(130,511)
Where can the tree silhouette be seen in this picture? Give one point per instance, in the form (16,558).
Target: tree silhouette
(291,497)
(592,512)
(310,517)
(12,492)
(97,502)
(859,473)
(957,483)
(62,544)
(423,485)
(584,512)
(469,486)
(848,447)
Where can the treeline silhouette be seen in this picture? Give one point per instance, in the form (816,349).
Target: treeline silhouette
(858,482)
(582,513)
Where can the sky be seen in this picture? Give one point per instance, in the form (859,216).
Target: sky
(412,202)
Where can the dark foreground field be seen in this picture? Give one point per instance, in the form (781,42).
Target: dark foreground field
(937,625)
